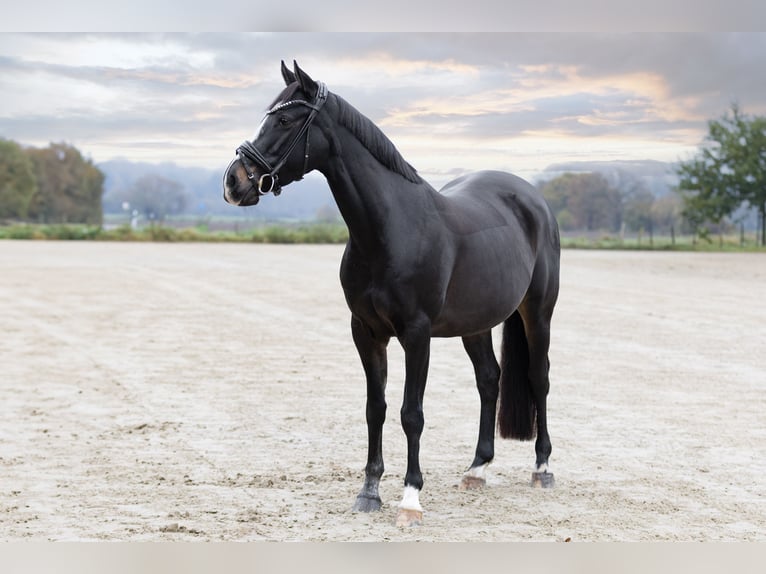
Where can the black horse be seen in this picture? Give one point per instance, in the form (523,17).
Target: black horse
(420,264)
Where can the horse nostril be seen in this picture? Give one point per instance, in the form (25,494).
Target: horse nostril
(231,181)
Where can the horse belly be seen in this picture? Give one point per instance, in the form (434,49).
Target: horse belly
(486,287)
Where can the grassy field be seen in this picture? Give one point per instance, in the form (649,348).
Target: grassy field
(663,243)
(330,233)
(288,233)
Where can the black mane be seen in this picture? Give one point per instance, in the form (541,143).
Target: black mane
(368,134)
(376,142)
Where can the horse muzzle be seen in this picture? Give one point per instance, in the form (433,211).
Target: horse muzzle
(243,188)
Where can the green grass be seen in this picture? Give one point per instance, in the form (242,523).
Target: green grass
(664,243)
(334,233)
(293,233)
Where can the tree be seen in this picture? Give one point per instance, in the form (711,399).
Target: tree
(584,201)
(666,212)
(153,196)
(69,187)
(638,213)
(17,181)
(728,171)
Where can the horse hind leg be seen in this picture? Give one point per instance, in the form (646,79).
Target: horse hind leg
(487,371)
(537,328)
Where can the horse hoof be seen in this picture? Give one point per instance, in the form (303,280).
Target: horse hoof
(542,480)
(472,483)
(367,504)
(408,517)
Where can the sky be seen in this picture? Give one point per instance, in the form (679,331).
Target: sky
(451,102)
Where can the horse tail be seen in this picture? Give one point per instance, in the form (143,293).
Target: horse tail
(516,411)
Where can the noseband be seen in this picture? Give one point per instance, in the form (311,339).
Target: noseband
(248,153)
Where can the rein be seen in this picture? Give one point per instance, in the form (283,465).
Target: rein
(247,152)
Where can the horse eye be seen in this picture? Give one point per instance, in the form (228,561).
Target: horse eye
(283,120)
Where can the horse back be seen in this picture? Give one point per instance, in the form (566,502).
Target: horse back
(484,200)
(504,239)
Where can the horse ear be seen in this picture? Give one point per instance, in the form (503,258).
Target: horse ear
(287,74)
(308,85)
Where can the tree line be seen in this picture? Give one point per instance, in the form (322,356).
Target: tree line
(151,196)
(718,189)
(50,185)
(589,202)
(58,185)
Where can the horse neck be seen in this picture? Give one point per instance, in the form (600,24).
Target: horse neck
(380,207)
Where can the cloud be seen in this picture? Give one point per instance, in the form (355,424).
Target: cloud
(447,100)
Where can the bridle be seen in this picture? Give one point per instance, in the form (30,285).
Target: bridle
(247,152)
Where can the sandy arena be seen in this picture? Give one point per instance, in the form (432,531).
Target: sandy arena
(212,392)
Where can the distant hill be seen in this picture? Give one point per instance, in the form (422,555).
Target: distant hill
(301,201)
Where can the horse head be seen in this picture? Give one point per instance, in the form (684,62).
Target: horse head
(284,146)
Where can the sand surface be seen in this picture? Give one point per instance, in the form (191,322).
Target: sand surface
(212,392)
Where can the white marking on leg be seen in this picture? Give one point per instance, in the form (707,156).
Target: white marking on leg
(411,499)
(542,468)
(477,471)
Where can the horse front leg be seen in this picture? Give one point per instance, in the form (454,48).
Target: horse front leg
(373,354)
(416,343)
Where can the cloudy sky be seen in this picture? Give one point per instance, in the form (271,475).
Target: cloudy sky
(450,102)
